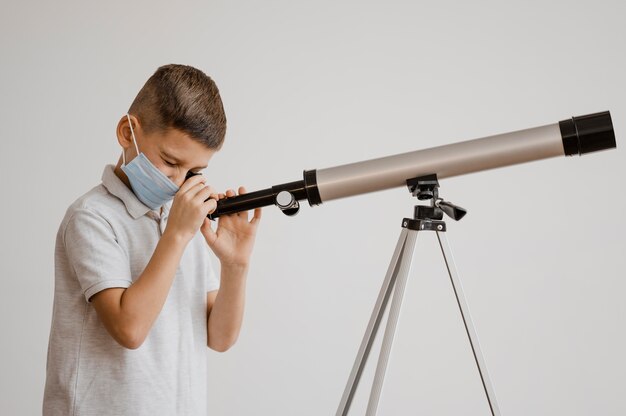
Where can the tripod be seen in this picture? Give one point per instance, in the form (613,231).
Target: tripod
(426,218)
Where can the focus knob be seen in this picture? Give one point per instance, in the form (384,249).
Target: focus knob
(287,203)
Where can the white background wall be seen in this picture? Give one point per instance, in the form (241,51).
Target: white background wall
(315,84)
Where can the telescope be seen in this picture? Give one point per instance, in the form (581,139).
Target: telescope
(576,136)
(420,171)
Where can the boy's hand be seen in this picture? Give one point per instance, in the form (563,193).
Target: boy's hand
(189,208)
(233,240)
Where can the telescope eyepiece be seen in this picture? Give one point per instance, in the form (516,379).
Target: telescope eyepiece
(588,133)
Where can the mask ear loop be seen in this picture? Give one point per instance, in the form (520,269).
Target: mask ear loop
(132,132)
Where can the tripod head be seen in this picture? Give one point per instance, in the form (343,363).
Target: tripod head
(426,188)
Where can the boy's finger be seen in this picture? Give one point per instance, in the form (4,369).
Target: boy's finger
(207,227)
(192,191)
(191,182)
(210,205)
(202,190)
(257,216)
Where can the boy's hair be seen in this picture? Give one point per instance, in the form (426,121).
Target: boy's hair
(184,98)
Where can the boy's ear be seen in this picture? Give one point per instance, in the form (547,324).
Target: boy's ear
(124,136)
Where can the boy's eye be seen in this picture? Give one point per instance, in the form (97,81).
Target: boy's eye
(168,163)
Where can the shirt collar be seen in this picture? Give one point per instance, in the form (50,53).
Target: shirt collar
(134,206)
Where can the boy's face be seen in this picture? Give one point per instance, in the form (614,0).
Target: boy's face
(173,152)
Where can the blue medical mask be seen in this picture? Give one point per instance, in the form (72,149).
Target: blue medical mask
(149,184)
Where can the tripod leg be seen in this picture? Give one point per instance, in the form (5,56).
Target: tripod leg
(467,320)
(372,327)
(392,321)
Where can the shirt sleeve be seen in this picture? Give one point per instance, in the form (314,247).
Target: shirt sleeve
(94,254)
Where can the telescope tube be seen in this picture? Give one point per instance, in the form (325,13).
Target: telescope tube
(578,135)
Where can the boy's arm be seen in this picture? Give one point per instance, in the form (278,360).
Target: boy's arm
(129,313)
(232,242)
(225,308)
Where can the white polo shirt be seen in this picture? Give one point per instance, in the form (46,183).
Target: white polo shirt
(105,240)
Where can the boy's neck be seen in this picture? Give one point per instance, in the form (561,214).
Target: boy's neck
(120,174)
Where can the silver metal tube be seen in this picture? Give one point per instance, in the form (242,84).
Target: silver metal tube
(579,135)
(446,161)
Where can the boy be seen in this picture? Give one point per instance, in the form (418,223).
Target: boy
(136,300)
